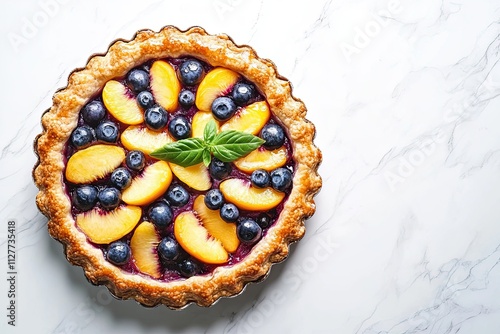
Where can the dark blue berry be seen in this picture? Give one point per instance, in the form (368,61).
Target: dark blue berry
(248,230)
(177,195)
(191,72)
(93,113)
(188,268)
(138,80)
(82,136)
(109,197)
(274,136)
(168,249)
(260,178)
(179,127)
(85,197)
(281,179)
(242,93)
(264,220)
(118,253)
(135,160)
(223,108)
(155,117)
(145,99)
(107,132)
(186,98)
(214,199)
(229,212)
(121,178)
(160,214)
(219,169)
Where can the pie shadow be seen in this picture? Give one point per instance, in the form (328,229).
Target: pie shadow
(103,306)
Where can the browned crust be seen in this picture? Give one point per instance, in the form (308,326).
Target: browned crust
(61,119)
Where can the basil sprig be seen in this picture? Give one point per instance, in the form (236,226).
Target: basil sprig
(226,146)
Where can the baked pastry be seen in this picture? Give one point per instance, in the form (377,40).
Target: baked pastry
(176,168)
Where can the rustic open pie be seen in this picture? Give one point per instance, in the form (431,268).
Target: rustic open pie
(176,168)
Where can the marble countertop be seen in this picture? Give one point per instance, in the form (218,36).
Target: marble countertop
(404,95)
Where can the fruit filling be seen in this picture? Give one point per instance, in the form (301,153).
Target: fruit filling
(177,168)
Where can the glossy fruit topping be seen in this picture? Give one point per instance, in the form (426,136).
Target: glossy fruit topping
(223,108)
(260,178)
(177,195)
(214,199)
(200,120)
(85,197)
(107,132)
(281,179)
(135,160)
(274,135)
(219,169)
(145,99)
(186,98)
(191,72)
(118,253)
(164,85)
(247,197)
(248,230)
(160,214)
(138,80)
(121,178)
(109,197)
(120,104)
(196,176)
(229,212)
(144,244)
(93,112)
(179,127)
(140,138)
(168,249)
(82,136)
(88,165)
(216,83)
(249,119)
(155,118)
(262,159)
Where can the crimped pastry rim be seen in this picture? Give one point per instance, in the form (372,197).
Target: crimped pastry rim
(217,50)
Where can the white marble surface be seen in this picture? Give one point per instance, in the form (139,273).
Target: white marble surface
(404,94)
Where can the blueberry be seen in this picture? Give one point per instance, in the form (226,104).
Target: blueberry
(160,214)
(260,178)
(155,117)
(214,199)
(179,127)
(281,179)
(135,160)
(107,131)
(82,136)
(118,253)
(223,108)
(219,169)
(121,178)
(85,197)
(190,72)
(248,230)
(229,212)
(188,268)
(145,99)
(186,98)
(264,220)
(138,80)
(109,197)
(168,249)
(274,136)
(93,113)
(177,195)
(242,93)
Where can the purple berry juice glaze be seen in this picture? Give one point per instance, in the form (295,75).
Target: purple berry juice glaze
(170,270)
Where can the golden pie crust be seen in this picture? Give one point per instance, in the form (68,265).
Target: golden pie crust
(61,119)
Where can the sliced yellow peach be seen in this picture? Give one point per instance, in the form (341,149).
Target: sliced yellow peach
(242,194)
(216,227)
(143,248)
(195,240)
(148,186)
(137,137)
(93,163)
(103,227)
(250,119)
(119,104)
(217,82)
(262,159)
(200,120)
(196,176)
(165,85)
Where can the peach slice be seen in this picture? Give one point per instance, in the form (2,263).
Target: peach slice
(165,85)
(262,159)
(242,194)
(104,227)
(119,104)
(137,137)
(196,176)
(250,119)
(217,82)
(148,186)
(143,247)
(200,120)
(216,227)
(195,240)
(93,163)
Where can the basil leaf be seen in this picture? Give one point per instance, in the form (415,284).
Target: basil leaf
(185,152)
(207,157)
(231,145)
(209,132)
